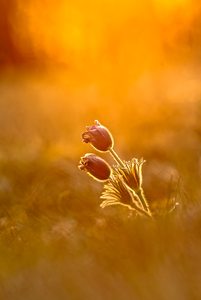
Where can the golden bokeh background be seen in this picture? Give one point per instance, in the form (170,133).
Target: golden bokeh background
(136,67)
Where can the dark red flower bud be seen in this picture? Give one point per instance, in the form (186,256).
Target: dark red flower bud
(99,136)
(95,166)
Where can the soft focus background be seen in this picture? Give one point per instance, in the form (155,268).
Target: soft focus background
(136,67)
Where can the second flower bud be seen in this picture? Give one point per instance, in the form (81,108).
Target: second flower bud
(95,166)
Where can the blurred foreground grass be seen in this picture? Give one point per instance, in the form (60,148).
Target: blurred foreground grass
(55,241)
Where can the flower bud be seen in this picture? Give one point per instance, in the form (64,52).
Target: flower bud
(99,136)
(95,166)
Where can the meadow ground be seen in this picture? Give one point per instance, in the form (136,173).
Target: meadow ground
(55,240)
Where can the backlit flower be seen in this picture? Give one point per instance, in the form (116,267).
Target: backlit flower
(95,166)
(99,136)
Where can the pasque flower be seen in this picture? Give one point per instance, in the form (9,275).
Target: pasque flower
(95,166)
(99,136)
(123,181)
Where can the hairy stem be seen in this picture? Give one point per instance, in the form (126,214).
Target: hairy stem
(141,196)
(140,210)
(116,157)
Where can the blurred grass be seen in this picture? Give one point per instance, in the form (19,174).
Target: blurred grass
(55,241)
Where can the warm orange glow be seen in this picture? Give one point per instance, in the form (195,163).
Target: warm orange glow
(102,36)
(105,53)
(171,4)
(134,65)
